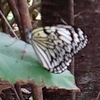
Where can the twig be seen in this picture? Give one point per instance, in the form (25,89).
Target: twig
(98,96)
(15,92)
(84,11)
(8,24)
(78,14)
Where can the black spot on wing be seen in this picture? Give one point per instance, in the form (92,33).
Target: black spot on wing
(45,31)
(75,29)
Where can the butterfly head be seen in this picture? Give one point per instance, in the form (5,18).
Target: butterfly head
(28,36)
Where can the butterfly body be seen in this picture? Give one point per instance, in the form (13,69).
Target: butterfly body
(56,45)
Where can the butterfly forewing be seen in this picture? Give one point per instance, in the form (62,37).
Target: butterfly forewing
(56,45)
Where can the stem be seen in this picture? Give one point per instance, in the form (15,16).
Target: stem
(19,92)
(24,16)
(36,90)
(71,9)
(71,12)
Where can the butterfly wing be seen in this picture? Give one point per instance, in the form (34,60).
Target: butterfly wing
(56,45)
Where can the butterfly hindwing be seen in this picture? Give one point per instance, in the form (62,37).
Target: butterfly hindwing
(56,45)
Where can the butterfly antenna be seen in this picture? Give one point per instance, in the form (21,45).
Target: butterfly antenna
(11,43)
(63,21)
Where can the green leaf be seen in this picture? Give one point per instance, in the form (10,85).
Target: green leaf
(18,63)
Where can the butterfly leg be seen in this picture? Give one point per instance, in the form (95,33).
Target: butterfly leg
(11,43)
(24,51)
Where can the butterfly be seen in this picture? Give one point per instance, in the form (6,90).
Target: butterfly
(56,45)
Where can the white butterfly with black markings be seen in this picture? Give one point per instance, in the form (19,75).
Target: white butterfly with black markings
(56,45)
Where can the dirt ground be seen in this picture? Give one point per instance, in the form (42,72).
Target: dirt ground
(87,61)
